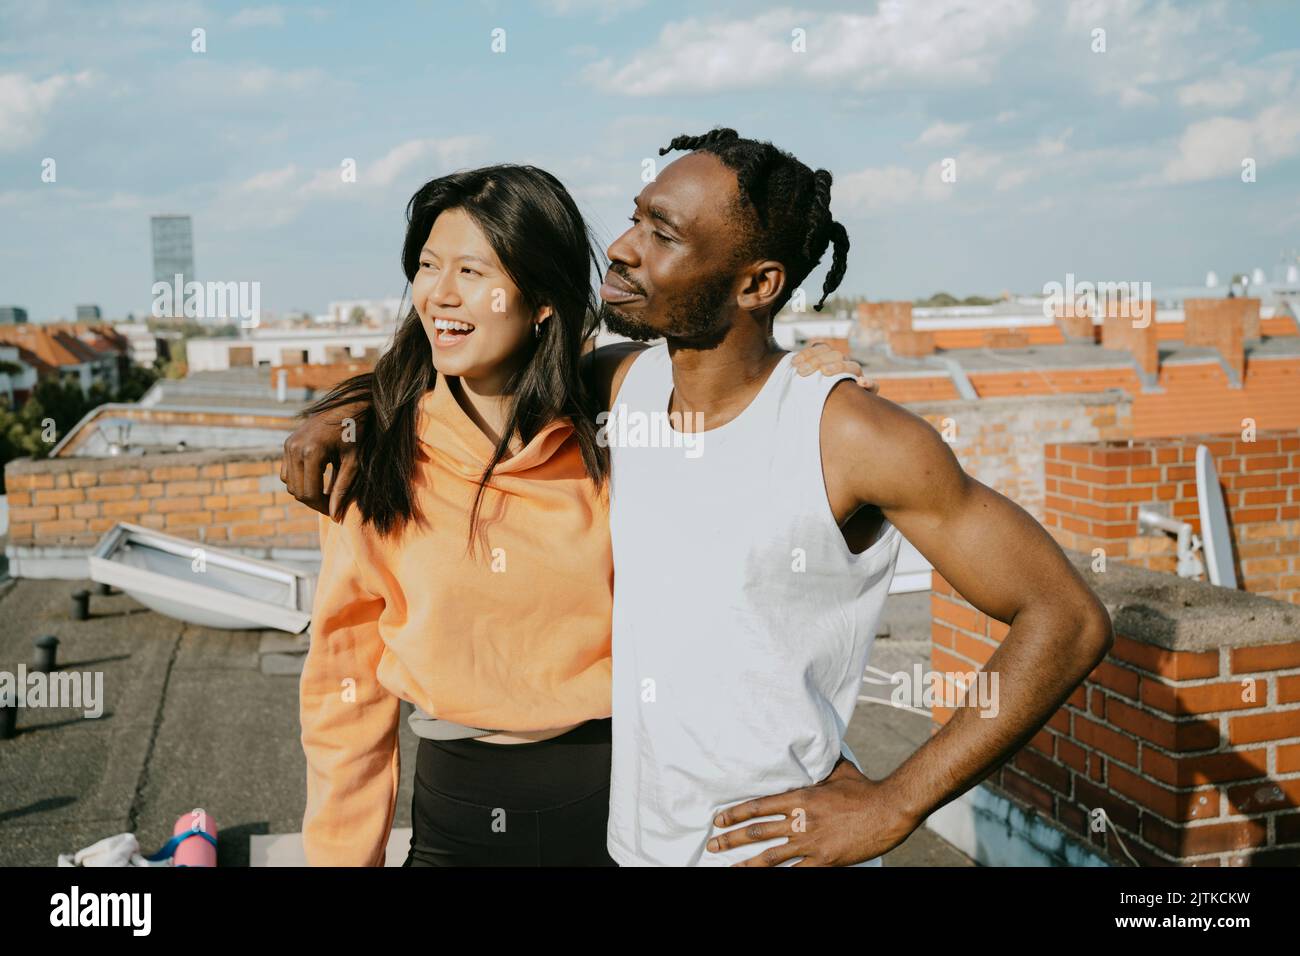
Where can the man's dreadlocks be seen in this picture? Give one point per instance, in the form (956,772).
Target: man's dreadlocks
(790,203)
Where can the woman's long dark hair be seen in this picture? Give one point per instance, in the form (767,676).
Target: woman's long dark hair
(543,242)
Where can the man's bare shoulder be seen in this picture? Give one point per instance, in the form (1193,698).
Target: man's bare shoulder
(605,368)
(861,422)
(882,450)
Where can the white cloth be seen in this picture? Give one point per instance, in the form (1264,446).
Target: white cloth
(120,850)
(742,621)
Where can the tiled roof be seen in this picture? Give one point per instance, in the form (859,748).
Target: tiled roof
(40,343)
(29,357)
(1191,386)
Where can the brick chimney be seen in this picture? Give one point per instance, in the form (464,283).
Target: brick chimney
(1075,324)
(1250,323)
(886,316)
(909,344)
(1220,324)
(1131,326)
(879,322)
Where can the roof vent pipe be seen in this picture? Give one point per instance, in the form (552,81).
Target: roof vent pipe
(1189,565)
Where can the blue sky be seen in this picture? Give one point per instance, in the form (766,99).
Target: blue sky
(1115,165)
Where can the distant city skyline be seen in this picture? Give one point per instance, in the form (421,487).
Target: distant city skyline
(1017,146)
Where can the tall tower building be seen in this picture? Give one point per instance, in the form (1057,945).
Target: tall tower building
(173,250)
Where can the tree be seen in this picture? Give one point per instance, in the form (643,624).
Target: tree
(22,431)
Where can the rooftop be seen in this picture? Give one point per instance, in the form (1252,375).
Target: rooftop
(196,717)
(236,408)
(1068,355)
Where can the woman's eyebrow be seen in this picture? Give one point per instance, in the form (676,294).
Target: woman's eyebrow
(426,251)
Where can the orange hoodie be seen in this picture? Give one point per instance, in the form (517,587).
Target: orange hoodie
(517,638)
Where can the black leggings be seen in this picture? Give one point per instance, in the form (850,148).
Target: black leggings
(537,804)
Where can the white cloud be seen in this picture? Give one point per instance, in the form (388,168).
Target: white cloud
(597,191)
(1219,93)
(271,16)
(25,104)
(1150,43)
(602,10)
(941,133)
(437,155)
(877,187)
(271,180)
(969,165)
(72,198)
(1012,178)
(385,170)
(14,197)
(1216,147)
(1131,97)
(260,80)
(119,201)
(1048,147)
(277,196)
(873,188)
(942,43)
(1268,79)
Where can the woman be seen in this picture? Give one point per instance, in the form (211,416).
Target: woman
(474,576)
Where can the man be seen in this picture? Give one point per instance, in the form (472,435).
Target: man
(750,571)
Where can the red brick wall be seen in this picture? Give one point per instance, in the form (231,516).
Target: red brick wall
(1000,441)
(233,497)
(320,377)
(1093,493)
(1187,767)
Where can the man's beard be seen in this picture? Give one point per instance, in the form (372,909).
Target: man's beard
(694,318)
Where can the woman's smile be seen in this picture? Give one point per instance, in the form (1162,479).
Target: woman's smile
(449,333)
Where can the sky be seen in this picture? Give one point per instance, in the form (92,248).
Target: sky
(976,147)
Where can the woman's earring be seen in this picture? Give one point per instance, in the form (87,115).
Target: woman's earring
(537,330)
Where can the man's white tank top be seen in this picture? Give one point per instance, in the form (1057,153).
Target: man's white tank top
(742,622)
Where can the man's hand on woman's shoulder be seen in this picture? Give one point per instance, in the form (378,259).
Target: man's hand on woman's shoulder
(328,438)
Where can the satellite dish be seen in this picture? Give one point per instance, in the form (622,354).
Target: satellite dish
(1216,536)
